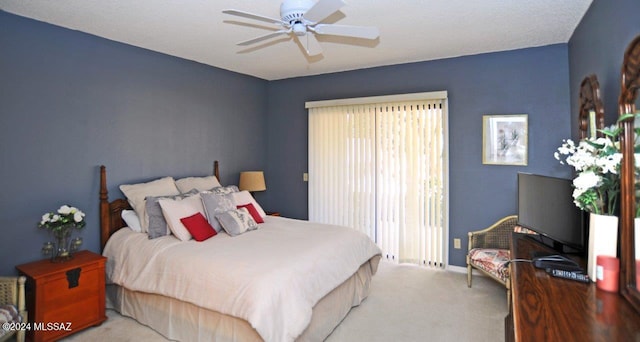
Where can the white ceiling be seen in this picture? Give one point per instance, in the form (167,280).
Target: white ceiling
(410,30)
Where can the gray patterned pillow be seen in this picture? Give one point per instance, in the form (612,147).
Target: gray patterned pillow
(237,221)
(157,223)
(224,190)
(216,204)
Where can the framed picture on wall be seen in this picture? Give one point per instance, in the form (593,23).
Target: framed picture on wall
(504,139)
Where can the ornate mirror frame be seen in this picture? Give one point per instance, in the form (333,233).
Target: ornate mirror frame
(630,73)
(591,115)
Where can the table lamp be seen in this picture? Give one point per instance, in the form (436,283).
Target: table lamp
(252,181)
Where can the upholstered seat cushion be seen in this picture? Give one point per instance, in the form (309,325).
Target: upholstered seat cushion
(8,314)
(493,261)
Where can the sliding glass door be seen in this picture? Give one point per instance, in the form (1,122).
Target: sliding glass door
(380,168)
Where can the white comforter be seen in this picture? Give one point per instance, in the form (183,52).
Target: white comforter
(271,277)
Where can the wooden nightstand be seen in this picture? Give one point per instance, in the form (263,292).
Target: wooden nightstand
(64,298)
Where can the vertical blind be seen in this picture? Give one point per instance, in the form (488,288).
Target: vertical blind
(381,168)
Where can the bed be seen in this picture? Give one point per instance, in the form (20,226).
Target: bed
(287,280)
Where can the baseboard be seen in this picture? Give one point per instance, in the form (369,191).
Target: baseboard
(451,268)
(461,269)
(457,269)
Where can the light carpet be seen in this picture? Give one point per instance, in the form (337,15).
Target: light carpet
(407,303)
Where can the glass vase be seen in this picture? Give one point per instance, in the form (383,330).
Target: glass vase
(62,252)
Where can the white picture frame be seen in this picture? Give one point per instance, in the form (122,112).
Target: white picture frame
(505,139)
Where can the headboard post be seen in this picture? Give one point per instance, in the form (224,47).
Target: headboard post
(216,170)
(105,219)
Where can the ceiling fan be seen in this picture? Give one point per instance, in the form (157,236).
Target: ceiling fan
(302,18)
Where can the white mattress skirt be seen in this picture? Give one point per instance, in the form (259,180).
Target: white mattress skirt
(182,321)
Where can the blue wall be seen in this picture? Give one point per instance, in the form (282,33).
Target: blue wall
(542,82)
(70,102)
(597,47)
(530,81)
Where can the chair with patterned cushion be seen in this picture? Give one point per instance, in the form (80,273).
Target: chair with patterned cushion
(489,251)
(12,306)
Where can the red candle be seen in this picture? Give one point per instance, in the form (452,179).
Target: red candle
(607,273)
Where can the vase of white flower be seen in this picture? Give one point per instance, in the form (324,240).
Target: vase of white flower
(596,190)
(61,224)
(597,182)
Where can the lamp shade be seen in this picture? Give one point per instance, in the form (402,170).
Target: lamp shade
(252,181)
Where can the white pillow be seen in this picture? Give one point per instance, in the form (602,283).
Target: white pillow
(136,194)
(198,183)
(174,210)
(244,197)
(132,220)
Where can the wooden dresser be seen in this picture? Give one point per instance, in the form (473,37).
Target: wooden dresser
(63,298)
(545,308)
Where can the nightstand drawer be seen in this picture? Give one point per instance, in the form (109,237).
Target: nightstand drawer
(65,288)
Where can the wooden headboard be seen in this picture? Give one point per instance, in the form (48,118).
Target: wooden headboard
(111,212)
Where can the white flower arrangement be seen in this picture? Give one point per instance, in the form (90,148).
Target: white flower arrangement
(597,166)
(65,218)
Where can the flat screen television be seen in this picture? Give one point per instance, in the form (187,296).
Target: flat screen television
(545,205)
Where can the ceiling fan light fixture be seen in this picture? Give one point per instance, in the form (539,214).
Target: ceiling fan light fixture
(299,29)
(303,18)
(294,10)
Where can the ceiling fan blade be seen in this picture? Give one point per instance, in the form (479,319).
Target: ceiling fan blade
(253,16)
(310,44)
(366,32)
(322,9)
(265,37)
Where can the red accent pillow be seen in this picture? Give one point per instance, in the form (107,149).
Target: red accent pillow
(198,227)
(252,210)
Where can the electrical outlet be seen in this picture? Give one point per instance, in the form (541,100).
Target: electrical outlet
(305,177)
(456,243)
